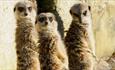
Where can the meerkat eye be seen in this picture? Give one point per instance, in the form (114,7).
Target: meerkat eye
(85,13)
(21,9)
(75,14)
(51,19)
(42,19)
(30,9)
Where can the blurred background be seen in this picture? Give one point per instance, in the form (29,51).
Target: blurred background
(103,15)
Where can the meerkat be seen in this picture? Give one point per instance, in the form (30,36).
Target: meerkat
(77,38)
(27,56)
(52,53)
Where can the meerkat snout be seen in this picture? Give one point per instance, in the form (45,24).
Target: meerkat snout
(25,14)
(81,12)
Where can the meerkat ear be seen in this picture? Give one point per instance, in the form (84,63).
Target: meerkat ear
(89,7)
(70,11)
(14,9)
(36,19)
(36,22)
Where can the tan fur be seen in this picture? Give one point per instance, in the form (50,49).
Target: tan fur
(77,38)
(51,48)
(27,56)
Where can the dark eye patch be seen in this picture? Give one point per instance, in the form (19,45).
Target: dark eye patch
(50,19)
(21,9)
(75,14)
(85,13)
(41,19)
(30,9)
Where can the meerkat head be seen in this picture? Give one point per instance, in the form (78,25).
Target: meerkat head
(25,10)
(81,12)
(46,22)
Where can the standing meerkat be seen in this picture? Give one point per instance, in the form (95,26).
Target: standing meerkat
(52,51)
(77,38)
(27,56)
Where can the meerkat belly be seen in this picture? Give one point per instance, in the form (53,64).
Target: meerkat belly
(79,59)
(48,56)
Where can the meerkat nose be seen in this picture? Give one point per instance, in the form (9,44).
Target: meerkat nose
(46,23)
(25,14)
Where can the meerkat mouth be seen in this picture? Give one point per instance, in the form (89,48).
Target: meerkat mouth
(26,18)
